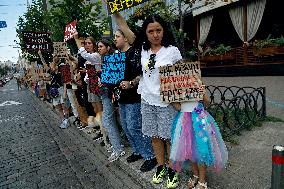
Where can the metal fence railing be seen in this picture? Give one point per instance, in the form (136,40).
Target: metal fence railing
(236,108)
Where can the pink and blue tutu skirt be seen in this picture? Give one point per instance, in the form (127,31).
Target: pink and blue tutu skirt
(196,137)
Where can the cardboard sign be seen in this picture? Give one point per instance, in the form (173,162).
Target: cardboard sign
(70,29)
(93,79)
(113,68)
(34,41)
(181,82)
(65,72)
(120,5)
(60,49)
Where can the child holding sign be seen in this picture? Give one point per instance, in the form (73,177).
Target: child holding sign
(196,137)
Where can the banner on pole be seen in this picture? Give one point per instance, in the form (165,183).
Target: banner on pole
(120,5)
(181,82)
(70,29)
(113,68)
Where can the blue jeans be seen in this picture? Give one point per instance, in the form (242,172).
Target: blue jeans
(131,121)
(109,123)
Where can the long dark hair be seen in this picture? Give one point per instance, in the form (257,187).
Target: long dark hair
(168,38)
(107,44)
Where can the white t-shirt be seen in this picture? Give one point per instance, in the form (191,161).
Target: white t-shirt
(149,85)
(93,58)
(188,106)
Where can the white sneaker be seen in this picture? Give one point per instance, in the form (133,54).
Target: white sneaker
(64,124)
(115,155)
(108,148)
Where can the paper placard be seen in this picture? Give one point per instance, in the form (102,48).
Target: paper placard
(113,68)
(120,5)
(65,72)
(93,79)
(60,49)
(181,82)
(70,29)
(34,41)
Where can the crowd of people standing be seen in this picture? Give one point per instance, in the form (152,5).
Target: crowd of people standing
(163,135)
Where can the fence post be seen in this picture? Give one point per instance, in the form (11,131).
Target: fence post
(264,102)
(277,176)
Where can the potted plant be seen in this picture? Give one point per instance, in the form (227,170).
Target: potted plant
(219,53)
(268,47)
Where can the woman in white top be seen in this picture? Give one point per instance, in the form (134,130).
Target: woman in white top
(87,51)
(157,117)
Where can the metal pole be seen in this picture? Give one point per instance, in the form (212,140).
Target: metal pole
(277,176)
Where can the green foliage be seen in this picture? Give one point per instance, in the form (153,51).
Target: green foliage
(32,21)
(154,7)
(219,50)
(278,42)
(91,19)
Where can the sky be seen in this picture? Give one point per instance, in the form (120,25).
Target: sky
(10,10)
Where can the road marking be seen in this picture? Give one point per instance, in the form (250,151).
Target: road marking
(14,118)
(8,103)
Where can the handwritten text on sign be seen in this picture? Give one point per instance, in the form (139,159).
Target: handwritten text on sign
(113,68)
(120,5)
(66,74)
(60,49)
(70,29)
(35,41)
(181,82)
(93,79)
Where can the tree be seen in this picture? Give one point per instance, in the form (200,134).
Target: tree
(91,21)
(32,21)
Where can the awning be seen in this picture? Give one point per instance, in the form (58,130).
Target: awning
(212,6)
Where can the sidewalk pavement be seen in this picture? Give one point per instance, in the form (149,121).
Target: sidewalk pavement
(249,163)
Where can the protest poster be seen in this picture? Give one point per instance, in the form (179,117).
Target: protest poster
(60,49)
(181,82)
(93,79)
(66,73)
(113,68)
(34,41)
(120,5)
(70,29)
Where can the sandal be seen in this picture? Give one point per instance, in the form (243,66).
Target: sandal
(192,181)
(201,185)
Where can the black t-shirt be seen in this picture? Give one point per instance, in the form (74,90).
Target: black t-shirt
(133,69)
(56,80)
(81,65)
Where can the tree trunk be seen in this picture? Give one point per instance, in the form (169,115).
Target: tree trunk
(181,27)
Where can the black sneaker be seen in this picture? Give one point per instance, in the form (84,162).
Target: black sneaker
(133,158)
(102,143)
(98,137)
(172,181)
(148,165)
